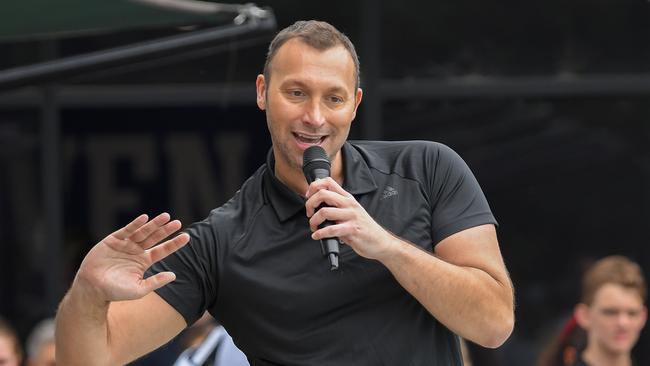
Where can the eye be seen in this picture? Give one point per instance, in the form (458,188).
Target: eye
(296,93)
(610,312)
(335,99)
(633,313)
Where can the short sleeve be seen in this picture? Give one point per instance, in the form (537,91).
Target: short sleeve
(195,287)
(458,203)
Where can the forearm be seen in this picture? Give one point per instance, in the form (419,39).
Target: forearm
(82,335)
(111,315)
(465,285)
(467,300)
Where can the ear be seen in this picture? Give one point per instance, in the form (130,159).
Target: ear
(260,86)
(357,100)
(581,312)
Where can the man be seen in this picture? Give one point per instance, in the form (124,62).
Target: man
(421,265)
(612,311)
(10,352)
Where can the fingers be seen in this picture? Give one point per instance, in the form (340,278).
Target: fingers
(157,281)
(329,213)
(343,231)
(170,246)
(329,198)
(327,184)
(131,227)
(143,232)
(160,234)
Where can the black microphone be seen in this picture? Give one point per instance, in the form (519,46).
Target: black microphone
(316,165)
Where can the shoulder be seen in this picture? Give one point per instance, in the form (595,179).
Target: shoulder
(228,221)
(395,148)
(407,158)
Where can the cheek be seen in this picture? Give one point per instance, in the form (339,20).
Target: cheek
(342,120)
(283,113)
(274,116)
(638,324)
(602,326)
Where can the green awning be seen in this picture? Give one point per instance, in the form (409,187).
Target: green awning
(35,19)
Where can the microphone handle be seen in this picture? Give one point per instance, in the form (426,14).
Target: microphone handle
(330,247)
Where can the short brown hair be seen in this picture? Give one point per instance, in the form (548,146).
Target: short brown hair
(614,269)
(317,34)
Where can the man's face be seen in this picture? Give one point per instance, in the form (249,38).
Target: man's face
(614,319)
(310,100)
(8,356)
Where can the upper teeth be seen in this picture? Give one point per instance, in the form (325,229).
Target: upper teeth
(308,137)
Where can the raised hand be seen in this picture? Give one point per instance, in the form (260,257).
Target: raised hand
(114,269)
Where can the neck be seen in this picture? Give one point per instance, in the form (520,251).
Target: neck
(595,356)
(292,178)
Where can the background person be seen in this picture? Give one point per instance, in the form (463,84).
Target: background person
(41,344)
(608,320)
(10,351)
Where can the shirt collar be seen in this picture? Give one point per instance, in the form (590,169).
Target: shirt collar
(286,203)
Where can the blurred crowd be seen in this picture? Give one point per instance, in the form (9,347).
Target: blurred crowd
(204,343)
(602,329)
(38,350)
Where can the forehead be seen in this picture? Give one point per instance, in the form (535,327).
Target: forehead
(615,295)
(298,60)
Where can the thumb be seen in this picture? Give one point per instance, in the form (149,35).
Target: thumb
(158,280)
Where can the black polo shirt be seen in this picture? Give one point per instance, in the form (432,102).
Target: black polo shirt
(254,266)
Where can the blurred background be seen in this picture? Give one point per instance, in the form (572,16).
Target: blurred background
(109,109)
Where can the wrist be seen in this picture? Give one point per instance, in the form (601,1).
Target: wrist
(392,248)
(84,292)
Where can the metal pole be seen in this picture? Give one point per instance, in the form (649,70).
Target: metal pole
(52,201)
(52,272)
(371,127)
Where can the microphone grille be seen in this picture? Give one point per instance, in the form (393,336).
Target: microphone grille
(315,157)
(313,153)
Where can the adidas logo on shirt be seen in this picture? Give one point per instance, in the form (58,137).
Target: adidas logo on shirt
(388,192)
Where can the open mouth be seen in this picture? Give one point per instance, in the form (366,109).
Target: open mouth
(308,139)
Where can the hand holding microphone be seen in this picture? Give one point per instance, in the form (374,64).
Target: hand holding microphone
(335,213)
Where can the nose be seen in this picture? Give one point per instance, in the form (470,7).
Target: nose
(624,319)
(313,114)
